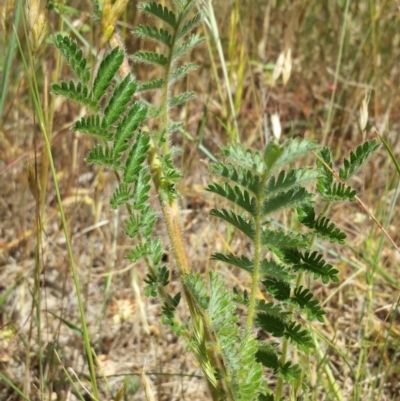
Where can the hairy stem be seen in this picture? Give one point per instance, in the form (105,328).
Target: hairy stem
(256,267)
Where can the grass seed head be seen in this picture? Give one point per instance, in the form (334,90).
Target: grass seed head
(278,67)
(36,21)
(276,126)
(109,17)
(363,119)
(287,66)
(6,14)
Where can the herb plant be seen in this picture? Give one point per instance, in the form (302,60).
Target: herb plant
(258,185)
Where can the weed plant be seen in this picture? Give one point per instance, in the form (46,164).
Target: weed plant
(264,352)
(257,184)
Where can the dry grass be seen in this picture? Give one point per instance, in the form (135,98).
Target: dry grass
(358,356)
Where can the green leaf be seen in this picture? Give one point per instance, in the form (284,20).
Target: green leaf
(243,156)
(292,150)
(119,100)
(325,179)
(357,159)
(182,71)
(290,373)
(271,269)
(291,198)
(271,324)
(286,181)
(242,176)
(338,193)
(181,98)
(306,215)
(75,329)
(78,93)
(142,189)
(197,288)
(278,239)
(126,128)
(150,58)
(189,25)
(185,7)
(322,226)
(107,70)
(136,157)
(122,195)
(246,227)
(272,309)
(92,125)
(235,195)
(73,55)
(220,307)
(160,12)
(244,372)
(242,262)
(304,299)
(189,44)
(153,33)
(151,85)
(266,397)
(103,157)
(268,356)
(271,154)
(142,223)
(312,263)
(301,338)
(138,252)
(171,173)
(279,289)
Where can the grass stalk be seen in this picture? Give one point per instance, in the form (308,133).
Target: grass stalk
(329,119)
(39,113)
(213,26)
(7,68)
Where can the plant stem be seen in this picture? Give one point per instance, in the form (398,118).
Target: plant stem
(256,267)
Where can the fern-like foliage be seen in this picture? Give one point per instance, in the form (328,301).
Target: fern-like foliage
(123,149)
(74,57)
(357,159)
(76,92)
(93,125)
(107,70)
(262,186)
(323,227)
(175,39)
(240,370)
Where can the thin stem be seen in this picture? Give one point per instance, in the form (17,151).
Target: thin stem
(256,267)
(336,78)
(46,138)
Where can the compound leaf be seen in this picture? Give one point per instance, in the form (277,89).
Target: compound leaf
(235,195)
(246,227)
(357,159)
(78,93)
(92,125)
(291,198)
(73,55)
(160,12)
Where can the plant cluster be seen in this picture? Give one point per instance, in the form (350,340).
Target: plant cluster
(259,185)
